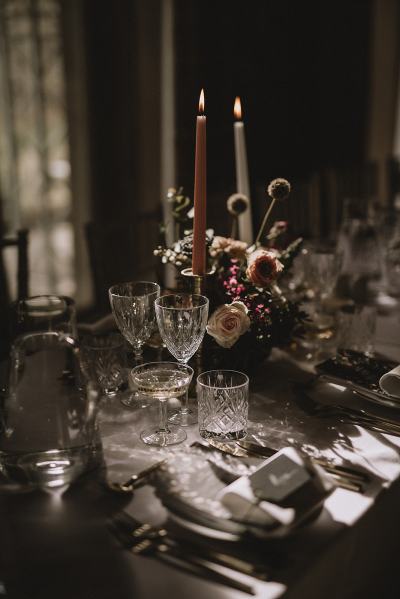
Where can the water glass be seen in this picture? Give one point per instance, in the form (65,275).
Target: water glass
(104,361)
(223,404)
(43,313)
(356,328)
(363,261)
(133,308)
(182,320)
(322,272)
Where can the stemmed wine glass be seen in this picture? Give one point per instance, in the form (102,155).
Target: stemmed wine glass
(162,381)
(182,320)
(133,308)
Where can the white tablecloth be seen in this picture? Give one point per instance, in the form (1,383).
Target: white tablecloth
(352,545)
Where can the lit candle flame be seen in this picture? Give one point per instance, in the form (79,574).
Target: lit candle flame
(201,102)
(237,109)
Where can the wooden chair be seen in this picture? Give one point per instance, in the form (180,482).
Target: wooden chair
(20,243)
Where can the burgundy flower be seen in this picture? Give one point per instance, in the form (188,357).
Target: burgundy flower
(263,268)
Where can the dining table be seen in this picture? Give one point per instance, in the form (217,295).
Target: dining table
(74,541)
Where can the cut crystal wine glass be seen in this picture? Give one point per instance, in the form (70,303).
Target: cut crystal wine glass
(162,381)
(182,320)
(133,308)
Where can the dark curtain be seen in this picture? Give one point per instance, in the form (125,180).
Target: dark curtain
(111,70)
(301,69)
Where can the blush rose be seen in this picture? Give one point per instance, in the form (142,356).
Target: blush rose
(228,323)
(233,247)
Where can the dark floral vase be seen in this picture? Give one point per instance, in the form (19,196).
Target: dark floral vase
(245,356)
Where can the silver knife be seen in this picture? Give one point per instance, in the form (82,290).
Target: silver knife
(230,448)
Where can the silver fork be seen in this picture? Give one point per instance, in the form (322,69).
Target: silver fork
(349,415)
(147,538)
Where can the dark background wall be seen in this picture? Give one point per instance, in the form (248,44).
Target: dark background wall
(301,69)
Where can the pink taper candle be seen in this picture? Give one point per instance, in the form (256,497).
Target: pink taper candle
(200,194)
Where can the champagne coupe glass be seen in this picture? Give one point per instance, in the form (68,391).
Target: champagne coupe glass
(133,308)
(182,320)
(162,381)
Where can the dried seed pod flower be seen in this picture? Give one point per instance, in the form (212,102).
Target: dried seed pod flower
(279,189)
(237,203)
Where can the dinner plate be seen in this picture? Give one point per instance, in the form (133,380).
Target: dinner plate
(188,486)
(207,531)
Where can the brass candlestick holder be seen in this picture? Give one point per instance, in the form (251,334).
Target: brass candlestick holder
(198,286)
(198,283)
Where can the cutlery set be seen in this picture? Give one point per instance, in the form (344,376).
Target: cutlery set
(149,541)
(347,414)
(196,558)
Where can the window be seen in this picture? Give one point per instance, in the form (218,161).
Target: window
(34,150)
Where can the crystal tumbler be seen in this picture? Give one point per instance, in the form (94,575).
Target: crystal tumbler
(223,404)
(103,360)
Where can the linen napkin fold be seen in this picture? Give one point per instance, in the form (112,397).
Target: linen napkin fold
(285,489)
(390,382)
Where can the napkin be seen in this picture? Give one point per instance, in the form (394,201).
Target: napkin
(279,494)
(390,382)
(358,371)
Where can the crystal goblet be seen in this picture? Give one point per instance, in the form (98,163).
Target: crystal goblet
(182,320)
(162,381)
(133,308)
(103,360)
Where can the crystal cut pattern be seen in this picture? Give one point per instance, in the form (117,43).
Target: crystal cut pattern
(182,322)
(223,404)
(222,412)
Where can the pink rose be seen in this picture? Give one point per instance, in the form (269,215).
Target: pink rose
(228,323)
(263,267)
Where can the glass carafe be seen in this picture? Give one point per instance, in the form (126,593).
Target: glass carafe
(48,432)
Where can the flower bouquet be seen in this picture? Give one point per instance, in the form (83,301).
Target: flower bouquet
(249,313)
